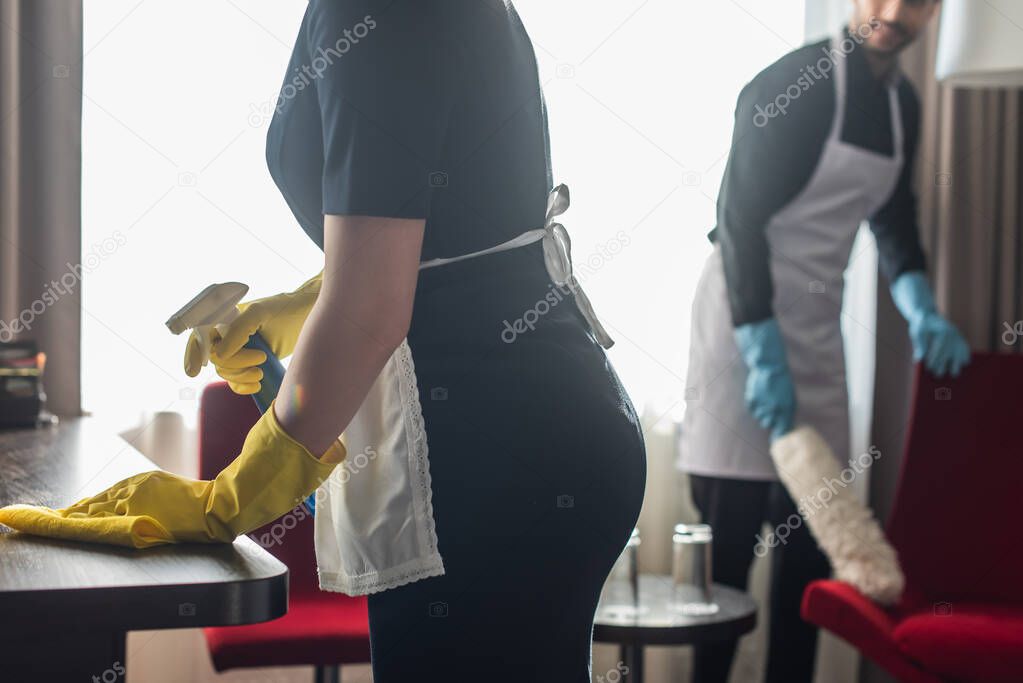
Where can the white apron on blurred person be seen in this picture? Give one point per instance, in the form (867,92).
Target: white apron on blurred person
(810,242)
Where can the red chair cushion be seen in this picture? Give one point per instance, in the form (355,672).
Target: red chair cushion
(969,642)
(321,630)
(960,474)
(841,609)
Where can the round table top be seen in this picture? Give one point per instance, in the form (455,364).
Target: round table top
(661,617)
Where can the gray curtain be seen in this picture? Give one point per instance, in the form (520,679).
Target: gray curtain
(40,187)
(971,174)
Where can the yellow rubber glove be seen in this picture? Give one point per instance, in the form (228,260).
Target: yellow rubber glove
(273,474)
(278,319)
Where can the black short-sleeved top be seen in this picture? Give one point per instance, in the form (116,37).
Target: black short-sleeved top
(414,109)
(769,165)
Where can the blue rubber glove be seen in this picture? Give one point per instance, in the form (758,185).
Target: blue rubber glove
(770,394)
(935,340)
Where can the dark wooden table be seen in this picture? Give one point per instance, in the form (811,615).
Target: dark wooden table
(660,618)
(65,607)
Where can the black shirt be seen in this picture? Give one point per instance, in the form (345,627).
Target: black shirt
(413,109)
(768,165)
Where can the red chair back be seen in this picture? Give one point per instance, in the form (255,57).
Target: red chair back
(959,502)
(225,419)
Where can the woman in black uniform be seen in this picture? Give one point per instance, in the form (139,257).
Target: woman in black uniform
(407,121)
(493,466)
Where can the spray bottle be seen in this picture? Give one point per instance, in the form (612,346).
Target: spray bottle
(212,310)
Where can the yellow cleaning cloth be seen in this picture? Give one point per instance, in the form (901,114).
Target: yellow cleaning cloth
(133,531)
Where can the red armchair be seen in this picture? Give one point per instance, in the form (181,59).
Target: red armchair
(955,524)
(321,629)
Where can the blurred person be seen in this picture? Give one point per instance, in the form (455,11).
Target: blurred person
(823,140)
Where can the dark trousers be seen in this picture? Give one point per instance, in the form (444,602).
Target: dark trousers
(736,510)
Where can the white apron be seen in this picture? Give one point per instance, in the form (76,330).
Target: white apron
(810,240)
(374,526)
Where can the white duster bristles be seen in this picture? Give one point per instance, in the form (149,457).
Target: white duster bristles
(845,529)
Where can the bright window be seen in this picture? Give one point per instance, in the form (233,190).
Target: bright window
(640,95)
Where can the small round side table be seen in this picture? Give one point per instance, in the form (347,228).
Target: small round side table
(659,619)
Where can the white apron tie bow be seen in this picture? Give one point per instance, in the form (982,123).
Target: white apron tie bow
(557,256)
